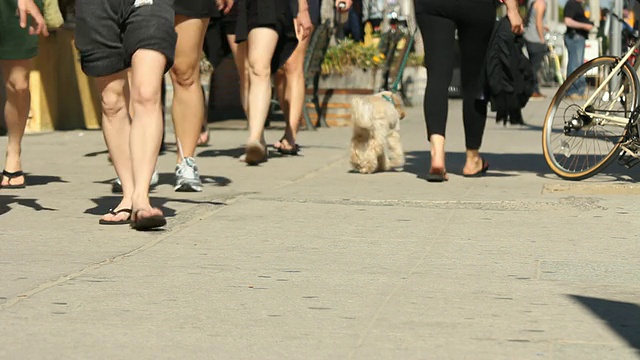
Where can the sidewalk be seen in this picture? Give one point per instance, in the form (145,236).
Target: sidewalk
(300,259)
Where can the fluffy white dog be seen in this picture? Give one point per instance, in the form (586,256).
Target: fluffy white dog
(375,144)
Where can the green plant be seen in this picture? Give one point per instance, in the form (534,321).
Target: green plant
(347,54)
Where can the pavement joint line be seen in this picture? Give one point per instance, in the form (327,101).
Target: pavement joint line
(502,205)
(169,232)
(188,214)
(365,334)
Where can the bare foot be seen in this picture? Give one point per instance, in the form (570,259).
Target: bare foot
(474,165)
(203,139)
(117,215)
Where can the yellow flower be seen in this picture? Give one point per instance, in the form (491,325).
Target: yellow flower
(382,55)
(376,59)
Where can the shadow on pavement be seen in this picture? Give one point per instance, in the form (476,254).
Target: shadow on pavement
(170,178)
(233,152)
(104,203)
(7,200)
(417,162)
(621,317)
(35,180)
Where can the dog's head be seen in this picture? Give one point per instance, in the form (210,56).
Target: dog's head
(396,100)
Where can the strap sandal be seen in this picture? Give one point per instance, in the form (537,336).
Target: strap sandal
(117,222)
(10,176)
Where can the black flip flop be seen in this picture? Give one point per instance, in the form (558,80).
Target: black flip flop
(437,177)
(119,222)
(148,222)
(292,152)
(479,173)
(12,175)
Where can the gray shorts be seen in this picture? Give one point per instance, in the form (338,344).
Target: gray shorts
(109,32)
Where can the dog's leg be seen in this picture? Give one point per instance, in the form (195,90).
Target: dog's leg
(395,149)
(369,159)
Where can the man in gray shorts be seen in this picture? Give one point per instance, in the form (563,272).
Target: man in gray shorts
(112,36)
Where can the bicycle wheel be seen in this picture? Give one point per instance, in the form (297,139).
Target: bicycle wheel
(577,146)
(546,74)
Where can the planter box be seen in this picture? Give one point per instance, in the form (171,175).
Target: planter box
(336,91)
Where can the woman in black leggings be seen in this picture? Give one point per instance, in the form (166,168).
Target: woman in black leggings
(438,21)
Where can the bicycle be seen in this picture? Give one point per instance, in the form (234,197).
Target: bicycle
(550,73)
(588,137)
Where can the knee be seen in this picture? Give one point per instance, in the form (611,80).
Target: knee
(293,67)
(146,96)
(259,70)
(18,86)
(185,75)
(113,102)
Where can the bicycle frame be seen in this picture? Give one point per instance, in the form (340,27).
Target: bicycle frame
(615,120)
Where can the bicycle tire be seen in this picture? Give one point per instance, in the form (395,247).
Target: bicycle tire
(560,97)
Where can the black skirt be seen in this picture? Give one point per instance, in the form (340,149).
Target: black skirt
(274,14)
(196,9)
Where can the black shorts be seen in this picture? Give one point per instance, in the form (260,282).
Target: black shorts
(109,32)
(196,9)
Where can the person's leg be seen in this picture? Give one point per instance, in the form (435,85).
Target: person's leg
(536,53)
(438,36)
(291,88)
(261,46)
(241,60)
(581,84)
(188,98)
(15,75)
(148,67)
(574,61)
(474,32)
(116,127)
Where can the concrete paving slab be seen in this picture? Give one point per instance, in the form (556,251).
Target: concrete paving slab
(299,258)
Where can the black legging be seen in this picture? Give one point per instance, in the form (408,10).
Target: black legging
(438,20)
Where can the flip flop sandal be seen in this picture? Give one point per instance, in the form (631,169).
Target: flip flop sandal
(481,172)
(437,177)
(146,223)
(12,175)
(118,222)
(292,152)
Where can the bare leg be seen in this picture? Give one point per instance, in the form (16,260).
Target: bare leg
(241,60)
(116,127)
(16,111)
(292,99)
(261,45)
(188,100)
(146,127)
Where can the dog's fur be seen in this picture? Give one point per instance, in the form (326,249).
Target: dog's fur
(375,144)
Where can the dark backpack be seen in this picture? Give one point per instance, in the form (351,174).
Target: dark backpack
(509,77)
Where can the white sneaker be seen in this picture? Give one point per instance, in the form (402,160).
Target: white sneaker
(187,176)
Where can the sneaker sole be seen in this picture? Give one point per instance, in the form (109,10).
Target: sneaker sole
(187,188)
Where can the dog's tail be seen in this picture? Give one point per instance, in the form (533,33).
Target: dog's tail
(361,113)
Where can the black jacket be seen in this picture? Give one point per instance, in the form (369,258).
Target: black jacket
(508,74)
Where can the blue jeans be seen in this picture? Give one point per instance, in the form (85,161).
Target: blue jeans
(575,48)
